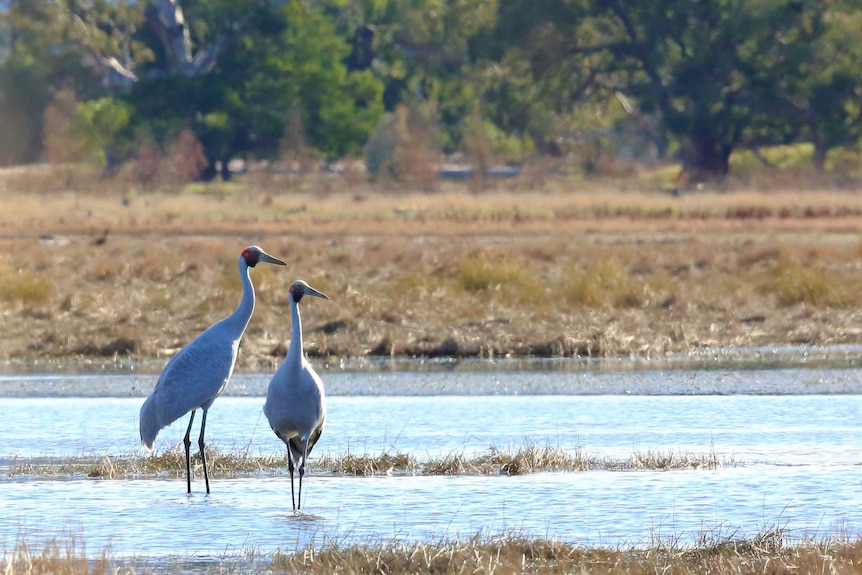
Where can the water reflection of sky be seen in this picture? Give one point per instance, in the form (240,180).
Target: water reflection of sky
(740,429)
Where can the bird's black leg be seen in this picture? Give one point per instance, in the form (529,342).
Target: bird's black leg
(188,442)
(290,468)
(201,446)
(302,471)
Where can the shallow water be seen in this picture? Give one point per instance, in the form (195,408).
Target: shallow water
(779,430)
(155,517)
(790,439)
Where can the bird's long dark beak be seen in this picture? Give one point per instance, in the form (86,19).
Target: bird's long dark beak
(311,291)
(265,257)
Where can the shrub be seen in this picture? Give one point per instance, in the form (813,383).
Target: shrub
(148,161)
(97,127)
(185,160)
(402,148)
(381,151)
(57,142)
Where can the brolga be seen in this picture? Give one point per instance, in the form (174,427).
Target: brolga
(199,372)
(295,400)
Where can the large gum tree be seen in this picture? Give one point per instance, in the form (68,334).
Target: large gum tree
(716,71)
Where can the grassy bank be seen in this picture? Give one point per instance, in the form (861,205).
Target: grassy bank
(608,268)
(768,552)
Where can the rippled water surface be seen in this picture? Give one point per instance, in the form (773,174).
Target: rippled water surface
(789,438)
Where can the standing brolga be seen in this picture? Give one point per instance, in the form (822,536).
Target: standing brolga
(200,371)
(295,400)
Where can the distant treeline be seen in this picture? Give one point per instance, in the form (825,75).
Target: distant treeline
(399,81)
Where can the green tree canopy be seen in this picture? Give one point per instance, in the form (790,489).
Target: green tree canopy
(277,58)
(702,77)
(715,70)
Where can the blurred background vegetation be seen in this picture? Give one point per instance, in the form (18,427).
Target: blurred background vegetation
(183,88)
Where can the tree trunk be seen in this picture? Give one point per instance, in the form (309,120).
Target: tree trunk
(821,148)
(166,18)
(168,23)
(707,157)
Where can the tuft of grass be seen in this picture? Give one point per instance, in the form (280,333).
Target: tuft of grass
(507,280)
(25,286)
(531,459)
(219,463)
(450,464)
(482,274)
(606,283)
(169,462)
(792,283)
(56,558)
(670,460)
(367,465)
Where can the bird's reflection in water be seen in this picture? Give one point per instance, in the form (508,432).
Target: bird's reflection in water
(303,517)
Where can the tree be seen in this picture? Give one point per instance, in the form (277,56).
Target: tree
(280,61)
(828,97)
(422,51)
(713,69)
(532,87)
(35,66)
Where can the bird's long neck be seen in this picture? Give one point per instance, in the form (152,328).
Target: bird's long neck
(239,319)
(294,352)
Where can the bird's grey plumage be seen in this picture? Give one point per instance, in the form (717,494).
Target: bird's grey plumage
(199,372)
(295,399)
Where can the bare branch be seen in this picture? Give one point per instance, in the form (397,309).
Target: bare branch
(116,77)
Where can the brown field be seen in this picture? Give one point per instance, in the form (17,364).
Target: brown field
(92,267)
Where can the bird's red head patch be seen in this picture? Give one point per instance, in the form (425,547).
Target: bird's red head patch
(297,290)
(251,255)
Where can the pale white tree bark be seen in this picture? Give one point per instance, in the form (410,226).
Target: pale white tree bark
(166,18)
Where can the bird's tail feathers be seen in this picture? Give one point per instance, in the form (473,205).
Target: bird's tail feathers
(149,426)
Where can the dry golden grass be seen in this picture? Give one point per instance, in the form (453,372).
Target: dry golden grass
(601,268)
(513,554)
(766,552)
(25,286)
(529,458)
(55,558)
(167,463)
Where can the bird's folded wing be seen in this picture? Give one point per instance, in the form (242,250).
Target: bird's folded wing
(194,377)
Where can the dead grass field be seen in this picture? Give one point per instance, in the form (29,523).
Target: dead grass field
(98,268)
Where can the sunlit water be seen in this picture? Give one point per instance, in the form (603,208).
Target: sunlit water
(790,440)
